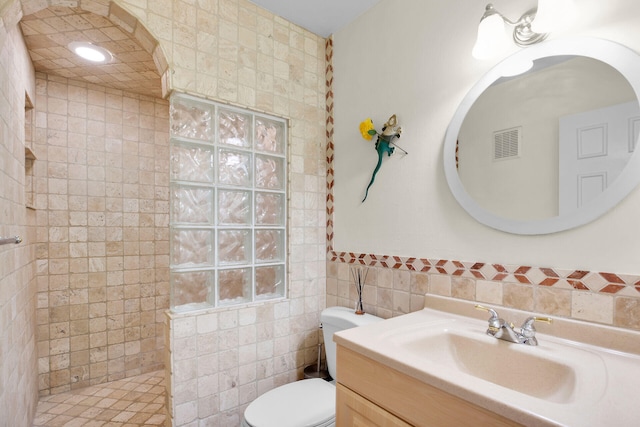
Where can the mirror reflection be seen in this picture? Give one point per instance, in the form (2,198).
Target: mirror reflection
(544,143)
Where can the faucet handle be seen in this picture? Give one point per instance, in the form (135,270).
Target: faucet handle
(528,331)
(490,310)
(528,324)
(494,321)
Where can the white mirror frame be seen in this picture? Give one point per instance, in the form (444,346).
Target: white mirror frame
(620,57)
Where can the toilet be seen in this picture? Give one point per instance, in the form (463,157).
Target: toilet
(312,402)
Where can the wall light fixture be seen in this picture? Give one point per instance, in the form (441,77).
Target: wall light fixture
(533,27)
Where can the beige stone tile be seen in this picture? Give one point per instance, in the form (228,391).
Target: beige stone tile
(440,284)
(518,296)
(401,280)
(592,307)
(489,292)
(463,287)
(556,302)
(419,283)
(401,302)
(627,312)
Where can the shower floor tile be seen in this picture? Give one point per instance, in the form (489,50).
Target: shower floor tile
(130,402)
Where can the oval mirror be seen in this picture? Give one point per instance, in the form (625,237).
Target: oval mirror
(552,148)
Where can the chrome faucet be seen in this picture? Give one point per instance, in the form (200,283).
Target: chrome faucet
(502,330)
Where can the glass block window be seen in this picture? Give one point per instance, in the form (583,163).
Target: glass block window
(227,205)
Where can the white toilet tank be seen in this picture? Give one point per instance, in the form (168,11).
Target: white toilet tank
(335,319)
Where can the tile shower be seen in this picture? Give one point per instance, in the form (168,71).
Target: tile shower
(265,64)
(102,209)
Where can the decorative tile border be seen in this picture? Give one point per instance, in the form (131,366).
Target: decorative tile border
(599,282)
(329,134)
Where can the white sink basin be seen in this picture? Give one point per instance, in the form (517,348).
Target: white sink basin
(514,366)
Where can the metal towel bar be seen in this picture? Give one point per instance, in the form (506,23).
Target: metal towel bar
(8,240)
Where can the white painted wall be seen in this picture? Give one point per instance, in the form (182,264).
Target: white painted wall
(413,58)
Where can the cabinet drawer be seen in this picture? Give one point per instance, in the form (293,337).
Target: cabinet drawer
(354,410)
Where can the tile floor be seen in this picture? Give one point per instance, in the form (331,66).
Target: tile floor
(130,402)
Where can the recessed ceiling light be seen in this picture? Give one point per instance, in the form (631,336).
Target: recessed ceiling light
(90,52)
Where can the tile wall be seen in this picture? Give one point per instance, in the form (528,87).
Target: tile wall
(395,285)
(18,356)
(101,198)
(232,51)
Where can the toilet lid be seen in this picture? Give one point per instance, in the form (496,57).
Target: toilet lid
(303,403)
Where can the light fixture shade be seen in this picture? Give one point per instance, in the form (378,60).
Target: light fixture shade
(491,36)
(553,15)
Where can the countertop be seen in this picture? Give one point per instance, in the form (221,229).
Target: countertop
(606,358)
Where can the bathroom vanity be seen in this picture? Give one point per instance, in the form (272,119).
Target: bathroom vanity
(438,367)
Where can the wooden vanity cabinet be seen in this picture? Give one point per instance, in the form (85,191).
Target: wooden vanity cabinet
(372,394)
